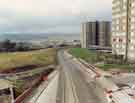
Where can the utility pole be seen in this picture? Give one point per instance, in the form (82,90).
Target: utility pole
(127,31)
(12,95)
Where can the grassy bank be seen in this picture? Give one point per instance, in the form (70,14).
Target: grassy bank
(20,59)
(109,62)
(89,56)
(26,60)
(124,67)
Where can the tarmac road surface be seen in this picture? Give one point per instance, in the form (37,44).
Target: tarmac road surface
(73,87)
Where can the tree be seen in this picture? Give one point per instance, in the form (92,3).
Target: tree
(7,45)
(22,47)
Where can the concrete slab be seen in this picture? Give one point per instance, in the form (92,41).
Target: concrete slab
(49,94)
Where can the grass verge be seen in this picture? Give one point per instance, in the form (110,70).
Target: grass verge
(89,56)
(94,57)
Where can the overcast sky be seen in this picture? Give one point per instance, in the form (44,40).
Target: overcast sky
(62,16)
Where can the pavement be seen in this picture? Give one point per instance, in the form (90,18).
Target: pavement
(73,86)
(49,94)
(44,91)
(124,78)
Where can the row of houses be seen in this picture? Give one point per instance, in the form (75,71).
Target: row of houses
(119,35)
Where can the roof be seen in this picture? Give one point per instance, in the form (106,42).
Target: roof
(4,84)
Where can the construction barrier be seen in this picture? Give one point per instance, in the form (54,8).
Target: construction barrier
(45,78)
(20,98)
(27,92)
(91,67)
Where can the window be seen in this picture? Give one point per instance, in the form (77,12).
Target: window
(129,41)
(114,39)
(120,40)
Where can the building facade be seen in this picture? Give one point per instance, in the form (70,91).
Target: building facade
(95,33)
(104,34)
(88,31)
(123,28)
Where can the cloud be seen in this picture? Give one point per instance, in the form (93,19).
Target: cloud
(56,7)
(50,15)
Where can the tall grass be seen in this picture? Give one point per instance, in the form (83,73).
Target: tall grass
(19,59)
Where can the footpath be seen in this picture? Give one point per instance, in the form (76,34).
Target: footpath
(38,93)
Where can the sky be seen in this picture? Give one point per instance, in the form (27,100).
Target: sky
(50,16)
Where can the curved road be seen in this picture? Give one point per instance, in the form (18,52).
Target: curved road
(73,87)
